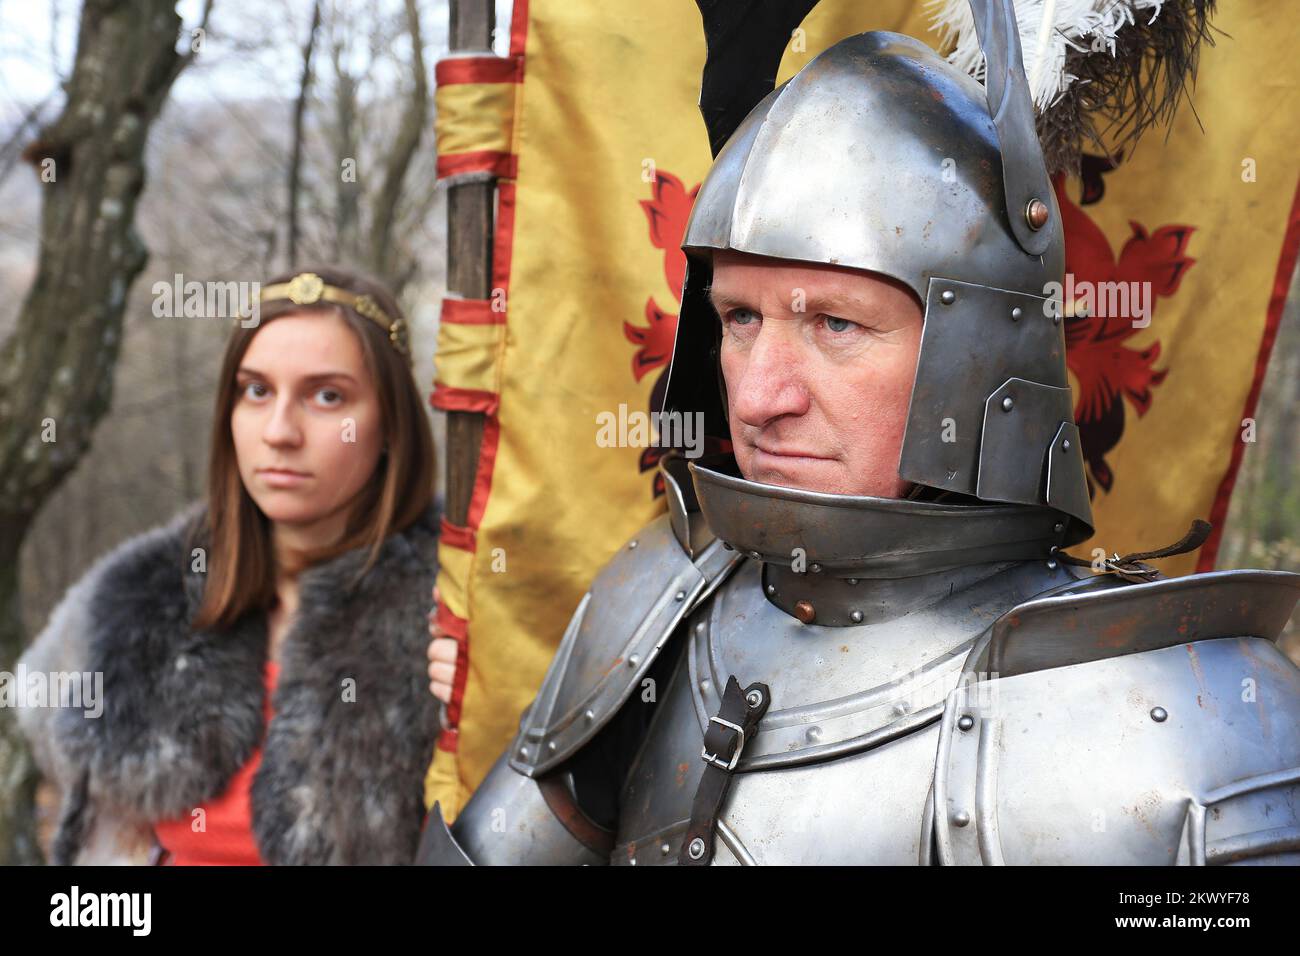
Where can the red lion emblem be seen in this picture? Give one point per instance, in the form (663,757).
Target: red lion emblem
(1107,370)
(667,212)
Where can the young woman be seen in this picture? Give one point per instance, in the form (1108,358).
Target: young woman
(264,697)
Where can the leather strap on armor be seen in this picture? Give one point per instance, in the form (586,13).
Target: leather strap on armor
(1132,567)
(724,741)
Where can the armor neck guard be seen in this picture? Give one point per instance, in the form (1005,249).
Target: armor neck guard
(857,536)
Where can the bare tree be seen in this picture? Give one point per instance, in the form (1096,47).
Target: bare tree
(56,369)
(410,129)
(299,111)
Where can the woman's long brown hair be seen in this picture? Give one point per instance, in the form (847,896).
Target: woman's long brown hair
(241,569)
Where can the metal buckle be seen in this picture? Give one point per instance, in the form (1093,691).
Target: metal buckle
(735,757)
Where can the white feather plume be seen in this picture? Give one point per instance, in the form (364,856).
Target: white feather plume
(1047,29)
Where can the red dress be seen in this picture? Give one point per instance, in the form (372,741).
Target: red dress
(227,837)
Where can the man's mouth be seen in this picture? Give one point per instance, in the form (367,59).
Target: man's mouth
(786,452)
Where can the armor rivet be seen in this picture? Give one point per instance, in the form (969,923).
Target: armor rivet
(665,849)
(704,686)
(552,746)
(1065,445)
(805,612)
(589,716)
(948,297)
(634,660)
(727,546)
(853,580)
(696,849)
(771,589)
(1008,403)
(900,708)
(679,596)
(815,568)
(1036,214)
(1051,565)
(699,628)
(965,722)
(855,617)
(755,555)
(754,698)
(1159,714)
(1016,313)
(631,545)
(1058,527)
(961,818)
(523,752)
(813,734)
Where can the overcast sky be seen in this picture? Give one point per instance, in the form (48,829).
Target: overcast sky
(38,40)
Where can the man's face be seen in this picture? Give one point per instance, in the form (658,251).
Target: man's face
(819,363)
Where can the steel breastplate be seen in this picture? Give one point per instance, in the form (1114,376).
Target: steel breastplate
(841,767)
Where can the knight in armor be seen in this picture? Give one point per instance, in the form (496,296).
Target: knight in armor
(859,637)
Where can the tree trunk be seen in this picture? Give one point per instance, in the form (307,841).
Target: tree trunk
(415,116)
(56,369)
(295,159)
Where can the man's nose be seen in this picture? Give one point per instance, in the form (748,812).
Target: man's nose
(772,383)
(282,428)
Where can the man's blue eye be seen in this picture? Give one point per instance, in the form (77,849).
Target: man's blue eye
(837,325)
(742,316)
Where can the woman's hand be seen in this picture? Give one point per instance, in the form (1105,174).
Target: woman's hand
(442,657)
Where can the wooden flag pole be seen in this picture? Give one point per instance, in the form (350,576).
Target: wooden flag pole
(470,212)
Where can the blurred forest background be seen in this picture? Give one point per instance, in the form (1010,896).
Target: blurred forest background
(271,135)
(247,126)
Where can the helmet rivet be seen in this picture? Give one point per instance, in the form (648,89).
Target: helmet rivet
(1065,444)
(966,722)
(805,612)
(696,849)
(1159,714)
(1016,313)
(1058,527)
(855,617)
(961,818)
(1008,403)
(1036,214)
(754,698)
(948,297)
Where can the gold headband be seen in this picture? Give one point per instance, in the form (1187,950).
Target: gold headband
(307,288)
